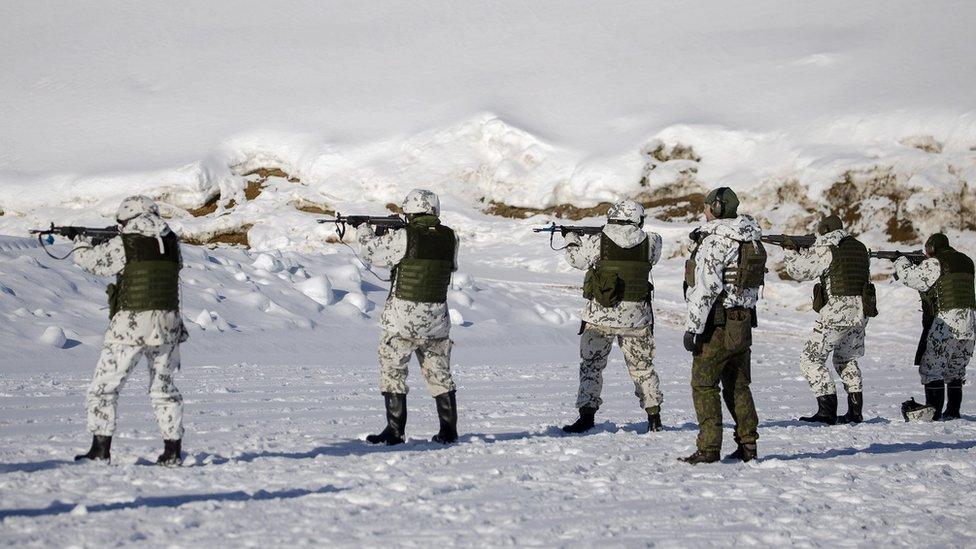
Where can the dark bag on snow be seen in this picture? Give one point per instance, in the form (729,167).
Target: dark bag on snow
(915,411)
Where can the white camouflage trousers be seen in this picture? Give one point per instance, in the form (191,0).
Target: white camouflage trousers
(434,356)
(945,357)
(637,345)
(846,343)
(114,366)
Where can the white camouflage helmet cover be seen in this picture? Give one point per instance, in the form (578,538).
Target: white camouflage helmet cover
(421,201)
(134,206)
(626,210)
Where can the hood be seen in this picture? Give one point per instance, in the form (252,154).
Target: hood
(832,238)
(743,228)
(625,236)
(147,225)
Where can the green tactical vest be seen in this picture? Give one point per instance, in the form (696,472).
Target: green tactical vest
(850,268)
(150,280)
(954,289)
(750,271)
(631,266)
(424,274)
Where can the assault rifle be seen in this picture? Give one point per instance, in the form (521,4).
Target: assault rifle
(97,236)
(382,223)
(916,257)
(564,230)
(784,240)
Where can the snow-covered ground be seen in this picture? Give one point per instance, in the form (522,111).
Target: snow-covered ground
(803,108)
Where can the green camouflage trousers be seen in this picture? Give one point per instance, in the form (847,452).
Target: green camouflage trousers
(637,345)
(434,356)
(718,364)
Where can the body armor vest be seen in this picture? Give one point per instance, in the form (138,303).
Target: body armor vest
(424,274)
(631,266)
(954,289)
(150,280)
(850,268)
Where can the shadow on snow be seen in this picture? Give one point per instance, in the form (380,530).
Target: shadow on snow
(60,508)
(877,448)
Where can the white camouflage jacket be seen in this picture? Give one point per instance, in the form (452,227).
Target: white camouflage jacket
(718,249)
(404,318)
(921,277)
(142,328)
(813,262)
(583,252)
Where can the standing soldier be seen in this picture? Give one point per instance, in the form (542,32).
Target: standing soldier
(144,308)
(415,321)
(842,265)
(722,281)
(618,262)
(946,281)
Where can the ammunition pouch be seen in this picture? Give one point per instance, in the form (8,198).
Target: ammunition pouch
(604,287)
(738,329)
(112,291)
(819,297)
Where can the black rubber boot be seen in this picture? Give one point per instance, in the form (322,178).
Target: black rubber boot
(654,420)
(396,421)
(935,397)
(447,414)
(700,457)
(855,407)
(744,453)
(953,400)
(100,449)
(172,453)
(584,423)
(826,411)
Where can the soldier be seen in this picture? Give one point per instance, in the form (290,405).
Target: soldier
(946,281)
(145,321)
(618,262)
(722,281)
(415,321)
(842,265)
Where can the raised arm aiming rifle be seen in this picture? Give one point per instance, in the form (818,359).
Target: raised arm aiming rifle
(916,257)
(97,236)
(788,241)
(564,230)
(927,298)
(382,223)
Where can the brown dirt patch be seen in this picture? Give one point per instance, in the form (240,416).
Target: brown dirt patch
(236,237)
(845,197)
(394,208)
(265,173)
(313,208)
(674,203)
(208,208)
(562,211)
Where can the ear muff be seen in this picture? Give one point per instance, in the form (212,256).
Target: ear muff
(718,205)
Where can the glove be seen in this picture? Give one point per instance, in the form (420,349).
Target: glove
(695,235)
(790,244)
(691,343)
(563,231)
(572,239)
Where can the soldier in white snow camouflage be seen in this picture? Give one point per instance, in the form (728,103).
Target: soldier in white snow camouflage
(415,320)
(835,259)
(624,253)
(946,282)
(145,323)
(722,281)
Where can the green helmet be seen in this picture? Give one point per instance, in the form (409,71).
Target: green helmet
(829,224)
(936,243)
(723,202)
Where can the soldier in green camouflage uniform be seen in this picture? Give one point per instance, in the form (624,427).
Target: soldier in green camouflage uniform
(415,320)
(946,280)
(841,264)
(145,323)
(722,281)
(626,253)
